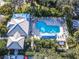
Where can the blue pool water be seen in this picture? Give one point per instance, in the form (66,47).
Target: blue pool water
(43,27)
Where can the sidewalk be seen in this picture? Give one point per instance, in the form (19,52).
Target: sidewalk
(2,38)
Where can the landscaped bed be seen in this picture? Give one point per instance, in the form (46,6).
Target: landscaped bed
(3,44)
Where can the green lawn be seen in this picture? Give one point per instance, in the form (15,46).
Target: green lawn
(7,0)
(2,44)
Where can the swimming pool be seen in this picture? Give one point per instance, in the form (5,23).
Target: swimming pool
(44,28)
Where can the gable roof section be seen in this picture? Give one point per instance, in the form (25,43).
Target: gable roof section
(14,45)
(17,28)
(24,16)
(20,21)
(17,18)
(13,57)
(15,42)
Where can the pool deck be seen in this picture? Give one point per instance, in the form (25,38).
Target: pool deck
(63,29)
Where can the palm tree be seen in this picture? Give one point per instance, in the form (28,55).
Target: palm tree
(71,42)
(6,9)
(68,10)
(76,35)
(3,30)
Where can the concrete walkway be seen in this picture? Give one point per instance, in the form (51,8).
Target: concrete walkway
(2,38)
